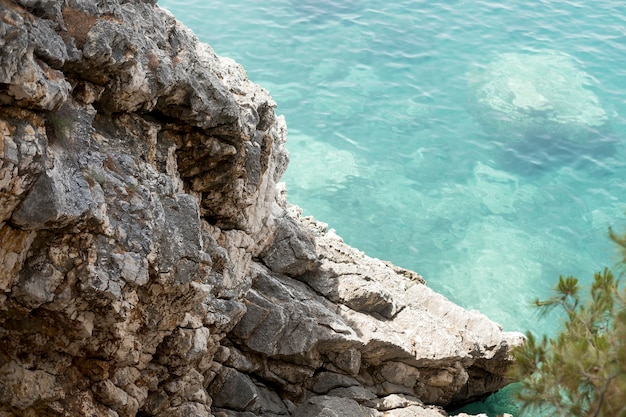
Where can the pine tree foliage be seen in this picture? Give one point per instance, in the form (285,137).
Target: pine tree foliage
(581,371)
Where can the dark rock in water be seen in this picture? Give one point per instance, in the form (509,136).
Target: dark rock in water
(523,93)
(538,107)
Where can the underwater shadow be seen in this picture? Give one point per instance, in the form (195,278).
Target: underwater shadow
(539,153)
(323,10)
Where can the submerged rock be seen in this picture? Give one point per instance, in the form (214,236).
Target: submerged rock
(150,263)
(535,94)
(315,158)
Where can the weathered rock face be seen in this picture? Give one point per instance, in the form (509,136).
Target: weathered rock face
(151,266)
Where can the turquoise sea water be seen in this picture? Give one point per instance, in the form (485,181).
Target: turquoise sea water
(387,149)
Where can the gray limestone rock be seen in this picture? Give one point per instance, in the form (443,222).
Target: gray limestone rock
(326,406)
(233,390)
(150,264)
(292,250)
(59,198)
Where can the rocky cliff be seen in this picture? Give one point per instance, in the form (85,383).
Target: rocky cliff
(150,264)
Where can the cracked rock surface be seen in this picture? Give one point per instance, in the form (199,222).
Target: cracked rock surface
(150,264)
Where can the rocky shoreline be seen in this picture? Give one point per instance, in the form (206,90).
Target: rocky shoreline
(151,264)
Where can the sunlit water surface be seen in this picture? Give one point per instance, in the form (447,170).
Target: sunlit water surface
(385,148)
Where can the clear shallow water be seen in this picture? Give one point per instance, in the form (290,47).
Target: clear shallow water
(385,149)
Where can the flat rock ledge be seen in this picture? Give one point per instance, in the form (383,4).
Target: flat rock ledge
(150,264)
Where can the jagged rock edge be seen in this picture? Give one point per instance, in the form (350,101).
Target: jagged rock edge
(132,290)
